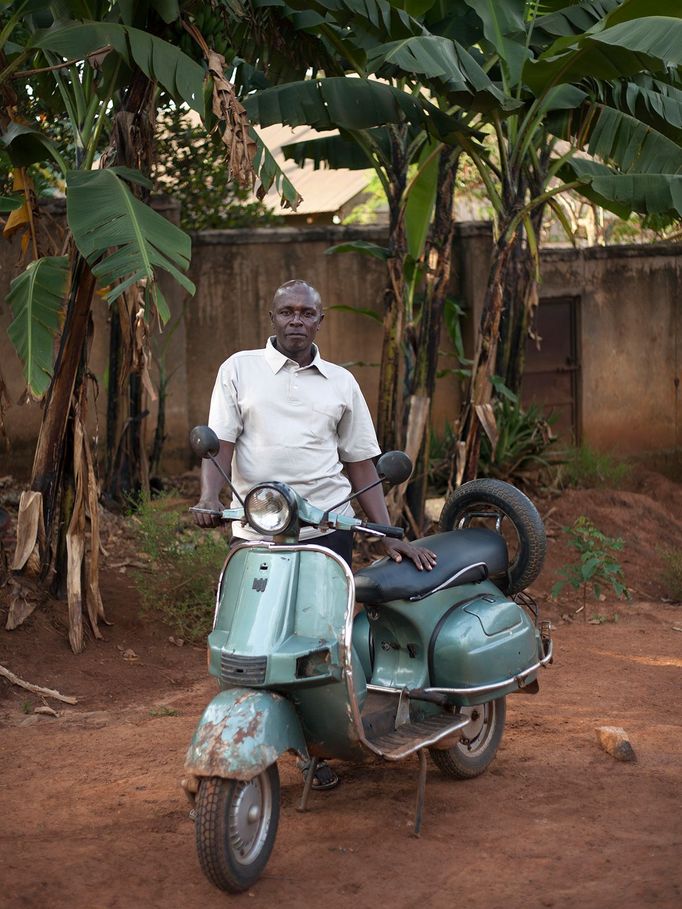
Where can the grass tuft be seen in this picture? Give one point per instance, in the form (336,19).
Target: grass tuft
(185,562)
(585,468)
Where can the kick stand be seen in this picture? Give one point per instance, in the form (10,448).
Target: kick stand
(421,792)
(309,777)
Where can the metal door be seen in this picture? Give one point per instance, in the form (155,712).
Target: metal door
(552,373)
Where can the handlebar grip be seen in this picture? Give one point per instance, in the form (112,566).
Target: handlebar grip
(397,532)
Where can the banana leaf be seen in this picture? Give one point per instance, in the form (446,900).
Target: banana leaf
(369,18)
(420,202)
(26,145)
(505,30)
(270,174)
(634,146)
(364,247)
(339,102)
(103,213)
(10,203)
(181,76)
(36,297)
(445,62)
(651,43)
(625,193)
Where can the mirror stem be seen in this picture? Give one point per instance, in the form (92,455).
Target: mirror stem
(228,480)
(359,492)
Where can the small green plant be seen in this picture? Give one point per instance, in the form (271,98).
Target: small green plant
(184,565)
(524,440)
(26,707)
(163,711)
(522,454)
(672,573)
(597,567)
(585,468)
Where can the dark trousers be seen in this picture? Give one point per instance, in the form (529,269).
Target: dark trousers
(339,541)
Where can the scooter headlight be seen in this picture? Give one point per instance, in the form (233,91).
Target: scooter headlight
(271,508)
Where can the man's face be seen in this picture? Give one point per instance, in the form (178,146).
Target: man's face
(296,317)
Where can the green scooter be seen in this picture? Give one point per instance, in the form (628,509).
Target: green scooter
(426,665)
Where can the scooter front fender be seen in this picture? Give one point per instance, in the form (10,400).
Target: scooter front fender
(242,732)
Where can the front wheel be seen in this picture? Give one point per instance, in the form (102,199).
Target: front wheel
(478,744)
(236,825)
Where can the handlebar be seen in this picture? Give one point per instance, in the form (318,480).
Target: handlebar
(386,529)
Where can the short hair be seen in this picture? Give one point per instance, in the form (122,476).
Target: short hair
(297,286)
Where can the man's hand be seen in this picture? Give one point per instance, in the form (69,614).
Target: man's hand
(208,520)
(396,549)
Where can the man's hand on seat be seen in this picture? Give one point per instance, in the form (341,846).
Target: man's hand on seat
(396,549)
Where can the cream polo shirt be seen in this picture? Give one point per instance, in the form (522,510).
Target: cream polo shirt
(292,424)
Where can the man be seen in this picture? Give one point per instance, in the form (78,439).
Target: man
(283,413)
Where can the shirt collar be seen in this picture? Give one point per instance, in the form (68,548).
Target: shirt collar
(276,359)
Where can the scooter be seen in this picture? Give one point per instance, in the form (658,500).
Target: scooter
(425,666)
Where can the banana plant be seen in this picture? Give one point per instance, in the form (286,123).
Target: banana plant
(98,68)
(558,66)
(389,125)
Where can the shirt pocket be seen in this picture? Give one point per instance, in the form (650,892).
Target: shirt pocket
(325,419)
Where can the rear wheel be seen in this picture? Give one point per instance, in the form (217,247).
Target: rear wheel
(236,825)
(478,744)
(501,507)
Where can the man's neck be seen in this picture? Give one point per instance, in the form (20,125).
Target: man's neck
(302,357)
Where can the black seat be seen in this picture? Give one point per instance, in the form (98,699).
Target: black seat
(464,557)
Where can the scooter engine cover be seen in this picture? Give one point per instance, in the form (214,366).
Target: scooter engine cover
(464,557)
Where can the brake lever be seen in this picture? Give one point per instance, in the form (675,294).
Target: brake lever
(368,530)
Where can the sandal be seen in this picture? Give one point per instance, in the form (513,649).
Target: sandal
(325,777)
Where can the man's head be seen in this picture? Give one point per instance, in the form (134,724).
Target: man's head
(296,316)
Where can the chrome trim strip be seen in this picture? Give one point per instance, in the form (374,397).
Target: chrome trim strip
(481,689)
(449,581)
(385,689)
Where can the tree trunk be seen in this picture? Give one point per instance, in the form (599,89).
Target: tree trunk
(439,263)
(50,455)
(131,145)
(478,402)
(389,409)
(520,291)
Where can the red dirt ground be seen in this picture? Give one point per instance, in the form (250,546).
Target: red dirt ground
(94,815)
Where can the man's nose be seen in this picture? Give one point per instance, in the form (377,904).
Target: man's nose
(296,317)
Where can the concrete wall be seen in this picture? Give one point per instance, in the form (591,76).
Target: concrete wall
(630,328)
(630,342)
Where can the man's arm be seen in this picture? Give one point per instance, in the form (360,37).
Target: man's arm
(362,473)
(212,483)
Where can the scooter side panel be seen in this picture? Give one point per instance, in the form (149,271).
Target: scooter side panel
(242,732)
(480,644)
(465,637)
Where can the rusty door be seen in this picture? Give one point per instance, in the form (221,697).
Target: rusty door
(552,374)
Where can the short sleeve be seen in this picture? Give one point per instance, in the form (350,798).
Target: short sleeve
(224,416)
(357,438)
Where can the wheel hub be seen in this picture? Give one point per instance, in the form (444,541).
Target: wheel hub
(474,731)
(246,820)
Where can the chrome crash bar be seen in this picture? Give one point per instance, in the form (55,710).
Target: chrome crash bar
(479,689)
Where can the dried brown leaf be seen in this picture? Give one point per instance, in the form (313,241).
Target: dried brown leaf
(240,147)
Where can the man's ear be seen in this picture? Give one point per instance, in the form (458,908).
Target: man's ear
(271,317)
(321,320)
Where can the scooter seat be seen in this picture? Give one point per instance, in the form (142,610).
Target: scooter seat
(464,557)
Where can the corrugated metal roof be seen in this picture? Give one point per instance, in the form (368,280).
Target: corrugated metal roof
(323,190)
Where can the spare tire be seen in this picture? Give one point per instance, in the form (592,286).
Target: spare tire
(504,508)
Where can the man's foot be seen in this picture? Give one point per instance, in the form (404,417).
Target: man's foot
(325,777)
